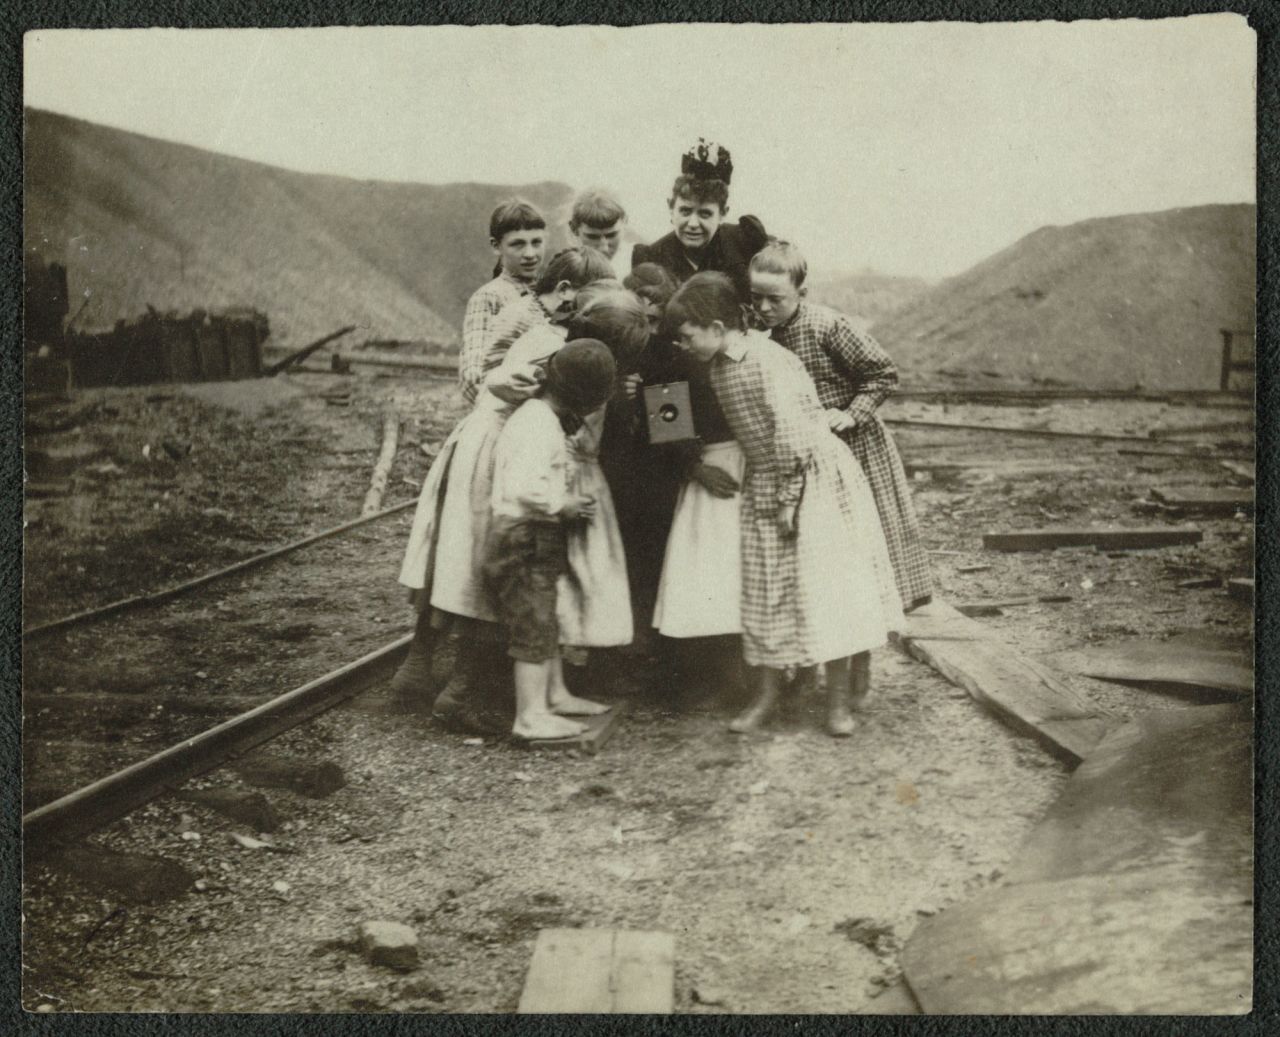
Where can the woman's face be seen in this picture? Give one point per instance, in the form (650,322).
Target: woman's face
(701,343)
(695,223)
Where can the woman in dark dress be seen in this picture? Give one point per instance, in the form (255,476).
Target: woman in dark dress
(698,594)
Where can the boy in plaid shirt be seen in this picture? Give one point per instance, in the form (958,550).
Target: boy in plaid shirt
(853,376)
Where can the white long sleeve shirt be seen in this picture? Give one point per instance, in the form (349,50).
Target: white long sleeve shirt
(531,462)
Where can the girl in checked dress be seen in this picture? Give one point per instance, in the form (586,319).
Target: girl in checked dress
(817,583)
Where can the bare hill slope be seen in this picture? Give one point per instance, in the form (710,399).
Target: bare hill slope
(867,297)
(1112,302)
(142,221)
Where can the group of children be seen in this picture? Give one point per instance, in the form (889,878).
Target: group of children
(778,537)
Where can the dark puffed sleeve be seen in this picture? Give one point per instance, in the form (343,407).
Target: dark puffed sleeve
(754,235)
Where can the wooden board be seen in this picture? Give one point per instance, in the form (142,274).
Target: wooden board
(1245,469)
(1133,895)
(600,971)
(1107,538)
(1205,499)
(1198,661)
(599,730)
(1024,693)
(1241,589)
(1033,698)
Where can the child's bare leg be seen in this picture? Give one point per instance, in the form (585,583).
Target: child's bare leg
(563,702)
(840,722)
(533,719)
(859,680)
(769,685)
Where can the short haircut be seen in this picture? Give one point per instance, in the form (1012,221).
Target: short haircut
(781,257)
(579,266)
(514,214)
(616,317)
(698,191)
(596,208)
(702,300)
(652,282)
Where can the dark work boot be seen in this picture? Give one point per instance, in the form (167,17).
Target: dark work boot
(412,687)
(457,699)
(768,688)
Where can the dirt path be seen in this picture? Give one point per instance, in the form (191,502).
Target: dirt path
(791,867)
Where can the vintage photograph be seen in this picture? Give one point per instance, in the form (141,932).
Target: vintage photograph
(696,519)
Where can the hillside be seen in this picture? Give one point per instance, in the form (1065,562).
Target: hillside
(1107,303)
(867,297)
(142,221)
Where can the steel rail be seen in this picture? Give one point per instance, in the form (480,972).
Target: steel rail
(1015,431)
(89,808)
(153,597)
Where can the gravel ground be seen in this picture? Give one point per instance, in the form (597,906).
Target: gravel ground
(791,867)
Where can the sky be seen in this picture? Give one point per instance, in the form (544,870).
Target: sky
(912,149)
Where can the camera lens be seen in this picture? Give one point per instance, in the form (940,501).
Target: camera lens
(668,412)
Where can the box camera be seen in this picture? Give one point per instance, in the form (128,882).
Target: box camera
(667,409)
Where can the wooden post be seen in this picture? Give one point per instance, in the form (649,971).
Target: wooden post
(378,484)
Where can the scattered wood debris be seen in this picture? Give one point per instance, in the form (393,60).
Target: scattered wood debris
(1205,499)
(1199,659)
(600,971)
(381,470)
(1241,589)
(1104,537)
(1029,695)
(995,607)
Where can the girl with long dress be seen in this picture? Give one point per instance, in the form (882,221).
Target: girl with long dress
(817,583)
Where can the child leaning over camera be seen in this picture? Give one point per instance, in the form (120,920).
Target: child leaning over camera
(526,552)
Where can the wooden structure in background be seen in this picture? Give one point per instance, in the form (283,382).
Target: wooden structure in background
(200,347)
(1239,360)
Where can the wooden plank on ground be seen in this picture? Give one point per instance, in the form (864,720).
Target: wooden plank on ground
(1239,427)
(644,968)
(1134,895)
(600,971)
(569,972)
(1108,538)
(993,606)
(1225,501)
(1245,469)
(1031,697)
(1202,660)
(599,730)
(1241,589)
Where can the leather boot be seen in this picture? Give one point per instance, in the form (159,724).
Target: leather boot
(456,700)
(412,687)
(847,687)
(769,687)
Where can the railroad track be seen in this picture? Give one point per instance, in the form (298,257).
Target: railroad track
(87,809)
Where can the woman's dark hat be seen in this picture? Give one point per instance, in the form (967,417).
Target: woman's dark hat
(582,373)
(707,160)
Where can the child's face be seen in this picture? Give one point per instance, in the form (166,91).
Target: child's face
(774,297)
(521,252)
(654,313)
(602,239)
(695,223)
(701,343)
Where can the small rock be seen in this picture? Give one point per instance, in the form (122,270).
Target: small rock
(473,741)
(190,837)
(422,988)
(704,995)
(759,788)
(389,943)
(280,886)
